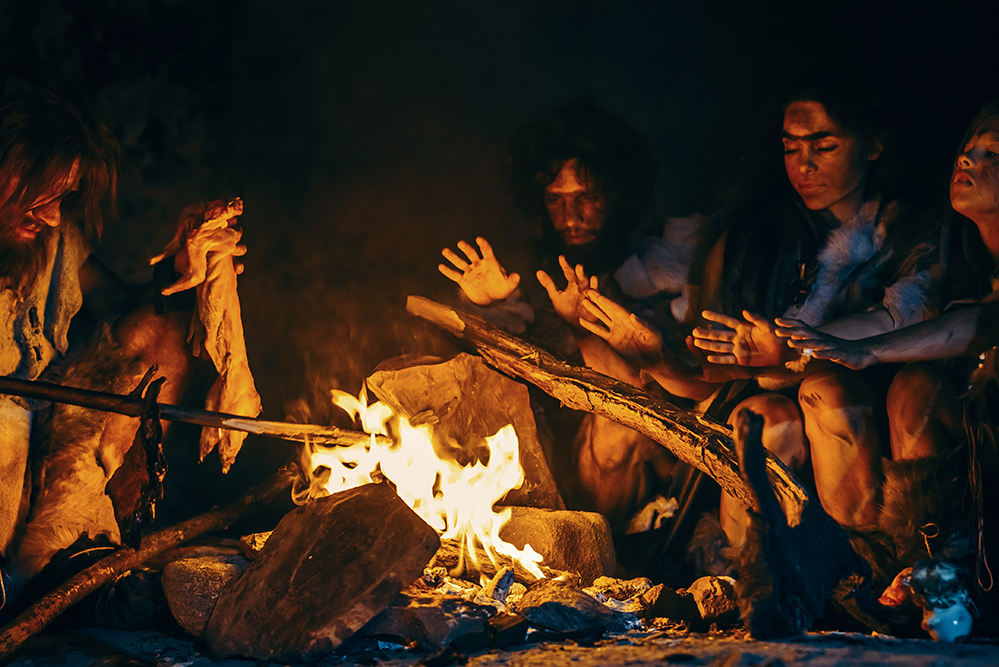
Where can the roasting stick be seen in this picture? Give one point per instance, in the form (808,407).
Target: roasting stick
(38,616)
(127,405)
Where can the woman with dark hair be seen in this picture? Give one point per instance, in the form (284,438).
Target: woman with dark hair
(935,409)
(831,244)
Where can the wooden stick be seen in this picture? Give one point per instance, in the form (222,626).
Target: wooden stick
(39,615)
(125,405)
(700,442)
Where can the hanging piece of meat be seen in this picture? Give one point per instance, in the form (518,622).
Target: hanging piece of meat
(217,328)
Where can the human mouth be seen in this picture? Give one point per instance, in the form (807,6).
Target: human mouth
(808,188)
(961,177)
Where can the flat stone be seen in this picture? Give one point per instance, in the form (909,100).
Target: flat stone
(431,620)
(555,606)
(330,567)
(192,586)
(620,589)
(577,542)
(716,598)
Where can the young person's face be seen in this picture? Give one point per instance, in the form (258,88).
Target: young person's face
(576,208)
(974,185)
(826,165)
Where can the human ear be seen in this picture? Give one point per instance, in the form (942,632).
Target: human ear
(876,150)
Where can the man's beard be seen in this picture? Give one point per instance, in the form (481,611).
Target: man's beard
(22,261)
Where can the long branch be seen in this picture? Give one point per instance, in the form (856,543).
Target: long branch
(125,405)
(702,443)
(39,615)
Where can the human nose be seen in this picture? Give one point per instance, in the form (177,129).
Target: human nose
(574,212)
(965,160)
(50,214)
(806,160)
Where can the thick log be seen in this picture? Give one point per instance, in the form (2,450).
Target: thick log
(132,406)
(39,615)
(697,441)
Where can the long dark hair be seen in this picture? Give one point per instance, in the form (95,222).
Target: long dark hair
(970,265)
(43,131)
(772,239)
(611,153)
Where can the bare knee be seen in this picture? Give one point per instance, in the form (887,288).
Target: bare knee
(783,433)
(922,411)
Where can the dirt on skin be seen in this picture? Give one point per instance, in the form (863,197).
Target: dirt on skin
(658,647)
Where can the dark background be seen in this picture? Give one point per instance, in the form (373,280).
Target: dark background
(365,136)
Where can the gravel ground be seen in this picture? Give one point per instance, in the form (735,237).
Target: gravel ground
(732,649)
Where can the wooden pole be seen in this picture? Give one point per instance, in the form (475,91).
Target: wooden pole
(700,442)
(125,405)
(39,615)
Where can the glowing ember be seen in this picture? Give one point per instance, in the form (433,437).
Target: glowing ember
(456,501)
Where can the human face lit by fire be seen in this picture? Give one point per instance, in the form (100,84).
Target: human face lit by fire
(46,210)
(827,166)
(974,185)
(576,207)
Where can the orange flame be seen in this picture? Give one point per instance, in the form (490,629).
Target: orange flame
(456,501)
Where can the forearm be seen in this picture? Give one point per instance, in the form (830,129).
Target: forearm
(681,380)
(960,332)
(862,325)
(601,357)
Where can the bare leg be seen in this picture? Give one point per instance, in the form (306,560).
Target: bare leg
(617,469)
(783,436)
(923,412)
(846,457)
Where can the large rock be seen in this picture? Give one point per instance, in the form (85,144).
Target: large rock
(716,598)
(192,586)
(572,541)
(470,401)
(329,567)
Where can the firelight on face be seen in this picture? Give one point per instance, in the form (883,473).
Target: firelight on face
(576,208)
(826,165)
(46,210)
(974,185)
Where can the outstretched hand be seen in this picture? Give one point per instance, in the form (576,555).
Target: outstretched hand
(568,302)
(853,354)
(206,237)
(746,342)
(624,331)
(482,278)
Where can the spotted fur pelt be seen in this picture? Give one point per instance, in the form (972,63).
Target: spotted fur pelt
(73,463)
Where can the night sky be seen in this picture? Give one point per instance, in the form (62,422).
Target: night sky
(365,136)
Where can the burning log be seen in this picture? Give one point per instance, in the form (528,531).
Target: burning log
(699,442)
(39,615)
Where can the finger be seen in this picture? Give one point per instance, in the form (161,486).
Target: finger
(450,273)
(714,334)
(787,322)
(548,284)
(567,270)
(609,306)
(758,320)
(452,257)
(593,283)
(485,248)
(723,359)
(721,318)
(714,346)
(469,251)
(581,278)
(238,267)
(595,328)
(514,279)
(597,312)
(186,282)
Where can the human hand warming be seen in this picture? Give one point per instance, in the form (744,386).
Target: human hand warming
(716,373)
(853,354)
(483,280)
(624,331)
(746,342)
(206,237)
(568,302)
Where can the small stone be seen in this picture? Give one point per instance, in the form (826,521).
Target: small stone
(555,606)
(620,589)
(192,586)
(716,598)
(432,620)
(251,544)
(662,602)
